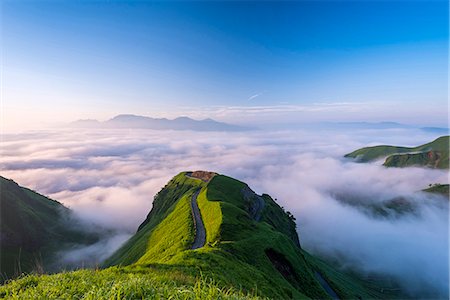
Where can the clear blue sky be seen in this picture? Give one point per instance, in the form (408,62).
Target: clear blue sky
(317,60)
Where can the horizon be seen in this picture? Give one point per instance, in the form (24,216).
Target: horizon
(229,61)
(280,125)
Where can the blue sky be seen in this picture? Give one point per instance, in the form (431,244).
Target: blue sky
(258,61)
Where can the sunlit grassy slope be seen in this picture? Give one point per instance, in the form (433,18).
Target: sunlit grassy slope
(242,257)
(32,229)
(236,254)
(149,282)
(434,154)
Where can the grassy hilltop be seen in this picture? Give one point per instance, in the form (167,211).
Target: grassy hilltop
(432,155)
(252,250)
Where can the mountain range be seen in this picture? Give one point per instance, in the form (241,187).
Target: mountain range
(180,123)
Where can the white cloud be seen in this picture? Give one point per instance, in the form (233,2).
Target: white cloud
(254,96)
(111,176)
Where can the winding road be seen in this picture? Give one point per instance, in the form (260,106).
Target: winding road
(200,233)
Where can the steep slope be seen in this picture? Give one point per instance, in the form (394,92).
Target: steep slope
(32,229)
(251,242)
(434,154)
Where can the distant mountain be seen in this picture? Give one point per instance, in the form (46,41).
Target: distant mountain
(33,228)
(437,130)
(366,125)
(381,125)
(433,155)
(181,123)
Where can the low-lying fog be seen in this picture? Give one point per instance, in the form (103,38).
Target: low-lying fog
(110,177)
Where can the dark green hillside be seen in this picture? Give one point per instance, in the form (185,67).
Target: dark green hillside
(430,159)
(251,249)
(32,228)
(433,155)
(442,189)
(368,154)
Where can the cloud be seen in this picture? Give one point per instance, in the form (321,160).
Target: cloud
(110,177)
(254,96)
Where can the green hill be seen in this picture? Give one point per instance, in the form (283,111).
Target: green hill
(251,249)
(32,229)
(442,189)
(433,155)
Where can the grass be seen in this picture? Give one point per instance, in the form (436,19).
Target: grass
(438,189)
(119,283)
(434,154)
(163,205)
(33,229)
(173,235)
(211,212)
(242,259)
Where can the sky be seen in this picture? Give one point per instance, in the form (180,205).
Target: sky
(302,61)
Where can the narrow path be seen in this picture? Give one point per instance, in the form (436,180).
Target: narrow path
(326,286)
(200,233)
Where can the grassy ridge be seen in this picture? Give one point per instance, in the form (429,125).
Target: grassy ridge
(434,154)
(212,216)
(243,258)
(163,204)
(173,235)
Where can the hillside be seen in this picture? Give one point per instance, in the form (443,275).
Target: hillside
(442,189)
(251,242)
(33,228)
(433,155)
(250,249)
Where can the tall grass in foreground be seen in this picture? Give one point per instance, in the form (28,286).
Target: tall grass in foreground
(113,284)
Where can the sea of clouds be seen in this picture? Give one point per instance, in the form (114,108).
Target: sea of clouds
(109,178)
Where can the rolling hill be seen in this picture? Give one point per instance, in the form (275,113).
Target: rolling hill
(207,236)
(33,228)
(432,155)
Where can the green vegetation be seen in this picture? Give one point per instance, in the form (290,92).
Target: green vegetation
(438,189)
(119,283)
(32,229)
(392,208)
(433,155)
(163,205)
(248,254)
